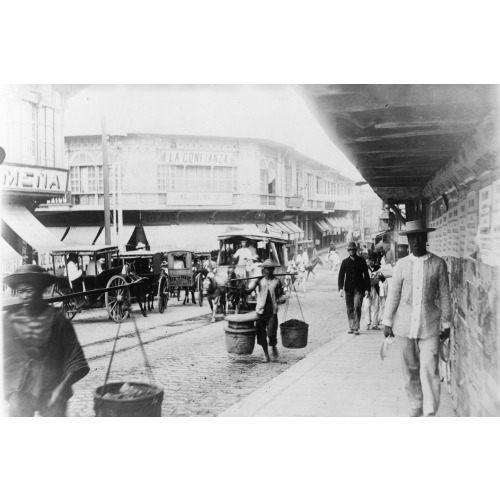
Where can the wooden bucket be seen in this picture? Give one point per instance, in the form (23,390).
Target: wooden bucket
(240,333)
(107,402)
(294,337)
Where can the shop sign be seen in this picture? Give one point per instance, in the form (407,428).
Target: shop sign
(191,198)
(329,205)
(200,158)
(33,179)
(294,202)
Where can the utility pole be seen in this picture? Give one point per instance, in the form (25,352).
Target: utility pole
(105,175)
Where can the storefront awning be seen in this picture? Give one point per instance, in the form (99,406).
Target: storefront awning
(194,237)
(125,236)
(293,227)
(7,252)
(30,229)
(58,231)
(81,235)
(323,227)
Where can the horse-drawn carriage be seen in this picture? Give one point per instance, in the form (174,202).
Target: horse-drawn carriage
(90,277)
(99,276)
(183,275)
(145,272)
(235,266)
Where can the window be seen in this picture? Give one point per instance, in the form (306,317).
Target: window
(271,179)
(222,179)
(170,178)
(288,180)
(263,177)
(199,178)
(74,178)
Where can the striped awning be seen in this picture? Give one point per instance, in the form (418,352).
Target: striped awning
(323,226)
(285,230)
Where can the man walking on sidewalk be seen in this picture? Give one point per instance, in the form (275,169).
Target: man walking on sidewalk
(354,280)
(418,300)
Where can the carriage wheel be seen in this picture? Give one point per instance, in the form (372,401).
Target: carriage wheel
(117,301)
(162,294)
(200,289)
(67,307)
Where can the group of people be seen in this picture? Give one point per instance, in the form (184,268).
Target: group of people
(43,357)
(413,304)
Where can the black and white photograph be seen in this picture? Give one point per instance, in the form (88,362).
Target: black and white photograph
(217,247)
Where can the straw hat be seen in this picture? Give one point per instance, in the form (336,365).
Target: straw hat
(416,226)
(269,263)
(140,245)
(30,274)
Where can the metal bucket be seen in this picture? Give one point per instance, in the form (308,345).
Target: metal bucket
(148,405)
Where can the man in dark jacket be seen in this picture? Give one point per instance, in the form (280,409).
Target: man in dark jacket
(42,357)
(354,282)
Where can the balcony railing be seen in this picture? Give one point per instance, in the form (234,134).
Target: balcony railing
(242,201)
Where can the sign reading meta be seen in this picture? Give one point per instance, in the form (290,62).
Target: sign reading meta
(34,180)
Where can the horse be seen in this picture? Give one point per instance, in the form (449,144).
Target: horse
(214,287)
(310,268)
(144,292)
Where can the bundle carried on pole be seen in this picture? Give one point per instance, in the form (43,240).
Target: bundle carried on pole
(240,333)
(294,332)
(128,399)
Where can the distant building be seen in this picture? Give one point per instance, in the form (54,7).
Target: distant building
(182,191)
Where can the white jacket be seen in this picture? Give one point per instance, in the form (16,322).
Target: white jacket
(419,297)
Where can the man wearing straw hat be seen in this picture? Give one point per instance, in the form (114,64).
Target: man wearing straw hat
(42,357)
(417,307)
(269,294)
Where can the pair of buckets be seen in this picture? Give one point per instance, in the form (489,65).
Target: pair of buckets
(241,331)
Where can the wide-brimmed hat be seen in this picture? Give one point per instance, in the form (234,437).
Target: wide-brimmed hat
(140,245)
(416,226)
(352,246)
(372,256)
(269,263)
(30,274)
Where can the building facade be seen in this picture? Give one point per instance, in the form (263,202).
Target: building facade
(33,171)
(182,191)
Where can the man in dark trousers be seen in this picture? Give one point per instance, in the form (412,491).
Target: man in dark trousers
(354,281)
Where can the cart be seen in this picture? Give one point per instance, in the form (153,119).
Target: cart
(148,279)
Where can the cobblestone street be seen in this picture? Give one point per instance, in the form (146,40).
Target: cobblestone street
(188,353)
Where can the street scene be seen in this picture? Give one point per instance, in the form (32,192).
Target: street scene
(167,252)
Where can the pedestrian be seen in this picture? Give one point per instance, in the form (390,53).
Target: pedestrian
(417,307)
(354,283)
(270,293)
(386,270)
(42,357)
(334,259)
(372,302)
(302,261)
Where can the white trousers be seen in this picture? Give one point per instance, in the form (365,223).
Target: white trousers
(419,361)
(370,308)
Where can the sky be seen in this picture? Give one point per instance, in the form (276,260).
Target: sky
(274,112)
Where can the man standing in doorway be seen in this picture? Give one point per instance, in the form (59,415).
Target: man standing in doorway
(417,307)
(354,282)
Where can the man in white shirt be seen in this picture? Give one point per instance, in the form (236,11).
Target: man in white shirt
(417,308)
(243,254)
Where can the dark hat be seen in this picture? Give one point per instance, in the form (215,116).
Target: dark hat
(269,263)
(352,246)
(30,274)
(372,256)
(416,226)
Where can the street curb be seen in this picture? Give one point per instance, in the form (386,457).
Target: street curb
(250,406)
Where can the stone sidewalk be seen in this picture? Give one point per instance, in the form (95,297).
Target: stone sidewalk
(344,378)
